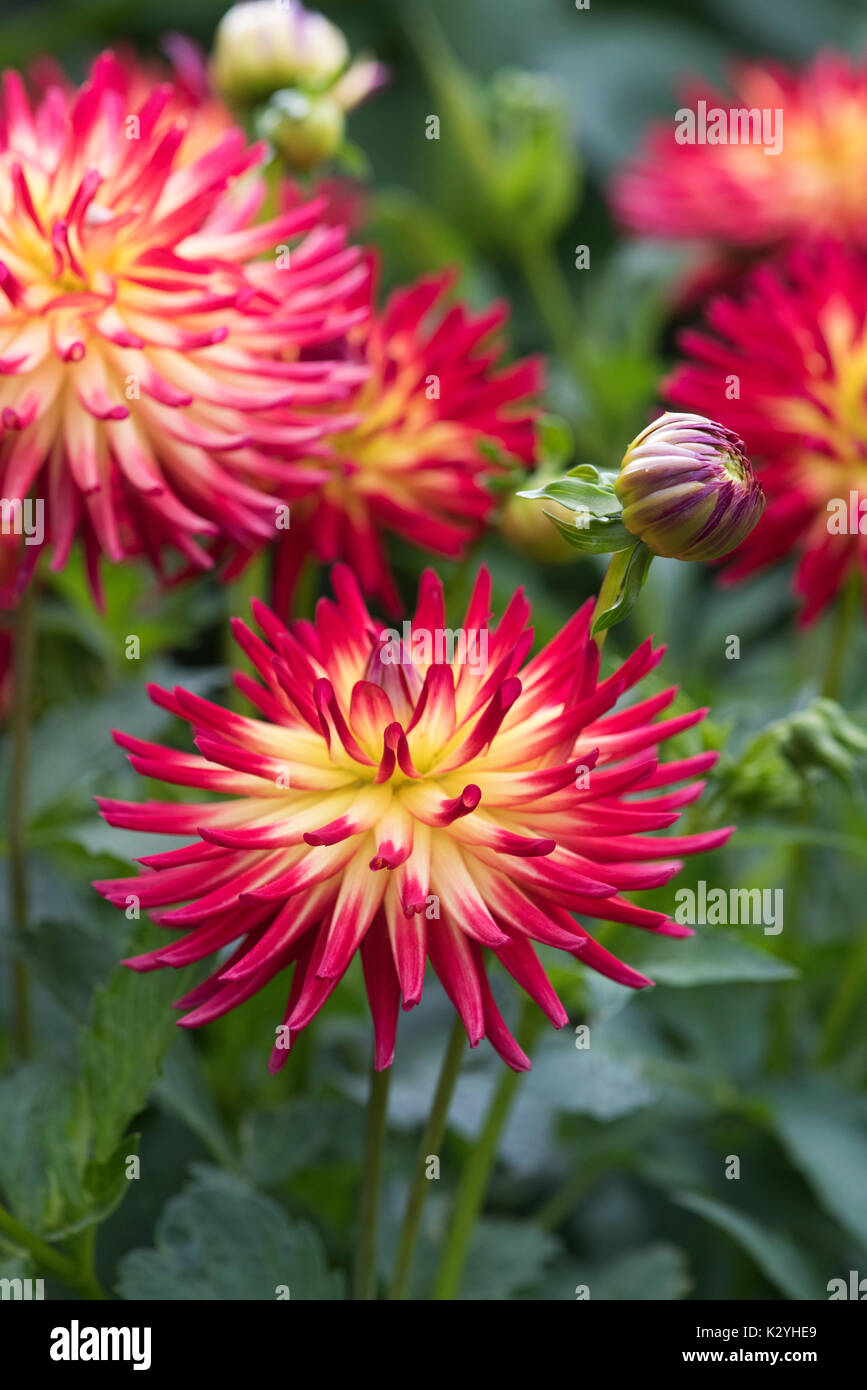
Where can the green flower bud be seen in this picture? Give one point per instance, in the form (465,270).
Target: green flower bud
(262,47)
(688,489)
(527,529)
(304,130)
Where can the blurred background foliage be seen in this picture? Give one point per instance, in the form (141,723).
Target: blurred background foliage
(612,1171)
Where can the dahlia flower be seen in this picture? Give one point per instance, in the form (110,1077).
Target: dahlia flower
(785,365)
(262,47)
(687,488)
(733,194)
(152,390)
(414,463)
(412,796)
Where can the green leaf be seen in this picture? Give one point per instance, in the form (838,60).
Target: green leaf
(600,535)
(504,1257)
(578,495)
(67,958)
(656,1272)
(652,1273)
(182,1090)
(131,1029)
(776,1254)
(630,569)
(43,1153)
(221,1240)
(824,1130)
(708,959)
(308,1132)
(104,1187)
(601,1081)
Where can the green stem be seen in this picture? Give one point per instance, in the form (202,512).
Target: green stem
(477,1172)
(431,1142)
(609,589)
(852,978)
(846,996)
(551,294)
(784,999)
(80,1277)
(87,1264)
(23,657)
(364,1282)
(845,613)
(553,1213)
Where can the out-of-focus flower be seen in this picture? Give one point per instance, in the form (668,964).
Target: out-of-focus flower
(787,764)
(295,63)
(785,365)
(422,794)
(414,463)
(262,47)
(528,530)
(304,130)
(687,488)
(511,175)
(151,387)
(795,169)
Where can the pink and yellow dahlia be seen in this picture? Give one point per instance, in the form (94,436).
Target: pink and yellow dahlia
(424,795)
(784,364)
(414,463)
(152,390)
(735,195)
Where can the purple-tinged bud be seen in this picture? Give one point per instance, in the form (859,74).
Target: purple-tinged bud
(688,489)
(262,47)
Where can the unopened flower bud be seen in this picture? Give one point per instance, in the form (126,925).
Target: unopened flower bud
(526,527)
(304,130)
(262,47)
(688,489)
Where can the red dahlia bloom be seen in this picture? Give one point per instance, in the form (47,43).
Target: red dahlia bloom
(151,390)
(413,464)
(398,799)
(792,352)
(736,195)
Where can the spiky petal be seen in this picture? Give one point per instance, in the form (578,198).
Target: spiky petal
(734,194)
(795,342)
(151,387)
(415,463)
(416,797)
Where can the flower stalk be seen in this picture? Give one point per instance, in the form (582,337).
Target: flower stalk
(431,1141)
(364,1280)
(23,658)
(477,1174)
